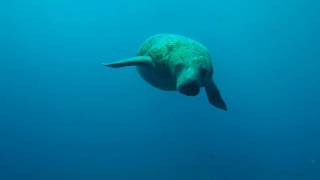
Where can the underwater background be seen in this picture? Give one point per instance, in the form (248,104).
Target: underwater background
(65,116)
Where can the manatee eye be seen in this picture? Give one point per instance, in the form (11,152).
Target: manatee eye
(203,71)
(179,67)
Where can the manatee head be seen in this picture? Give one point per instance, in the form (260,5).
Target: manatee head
(192,75)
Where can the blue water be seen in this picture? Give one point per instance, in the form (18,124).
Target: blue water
(65,116)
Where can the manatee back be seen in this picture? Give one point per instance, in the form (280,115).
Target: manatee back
(164,48)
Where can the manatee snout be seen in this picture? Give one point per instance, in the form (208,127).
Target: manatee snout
(188,82)
(191,88)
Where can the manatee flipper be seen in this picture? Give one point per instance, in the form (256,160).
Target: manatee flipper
(214,96)
(133,61)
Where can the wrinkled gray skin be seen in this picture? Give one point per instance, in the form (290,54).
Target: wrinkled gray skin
(173,62)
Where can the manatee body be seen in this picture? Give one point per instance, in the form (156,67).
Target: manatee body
(173,62)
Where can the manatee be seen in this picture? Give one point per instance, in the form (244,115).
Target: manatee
(174,62)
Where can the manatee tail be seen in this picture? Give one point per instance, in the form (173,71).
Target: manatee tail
(214,96)
(133,61)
